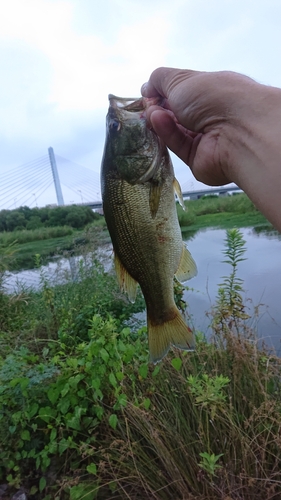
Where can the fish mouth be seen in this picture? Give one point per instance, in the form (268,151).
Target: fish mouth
(126,103)
(125,108)
(133,104)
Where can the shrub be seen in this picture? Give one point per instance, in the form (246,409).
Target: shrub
(54,409)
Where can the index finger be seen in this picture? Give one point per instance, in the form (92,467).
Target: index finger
(162,80)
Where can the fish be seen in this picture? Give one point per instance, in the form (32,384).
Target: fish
(138,187)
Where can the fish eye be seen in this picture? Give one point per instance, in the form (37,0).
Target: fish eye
(114,125)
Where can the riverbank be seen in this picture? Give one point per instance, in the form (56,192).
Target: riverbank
(24,246)
(210,211)
(220,212)
(227,220)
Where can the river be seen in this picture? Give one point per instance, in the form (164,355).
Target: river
(261,274)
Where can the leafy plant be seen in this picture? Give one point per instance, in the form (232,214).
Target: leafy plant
(209,462)
(208,391)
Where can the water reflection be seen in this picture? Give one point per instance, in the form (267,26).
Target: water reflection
(56,273)
(260,272)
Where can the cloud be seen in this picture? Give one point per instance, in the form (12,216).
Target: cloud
(238,35)
(85,67)
(60,59)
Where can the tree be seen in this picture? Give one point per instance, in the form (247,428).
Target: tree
(3,219)
(34,222)
(15,220)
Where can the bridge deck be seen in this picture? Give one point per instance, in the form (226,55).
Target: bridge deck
(186,194)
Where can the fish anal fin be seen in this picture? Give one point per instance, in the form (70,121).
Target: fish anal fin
(154,198)
(178,192)
(173,332)
(125,280)
(187,268)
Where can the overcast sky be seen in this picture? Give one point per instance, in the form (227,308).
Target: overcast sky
(60,59)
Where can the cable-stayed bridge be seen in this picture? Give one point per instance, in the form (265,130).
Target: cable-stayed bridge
(54,180)
(33,183)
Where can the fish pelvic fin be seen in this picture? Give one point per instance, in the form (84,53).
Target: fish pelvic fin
(126,282)
(178,192)
(187,268)
(173,332)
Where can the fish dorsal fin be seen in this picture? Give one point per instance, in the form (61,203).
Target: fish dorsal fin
(154,198)
(125,280)
(187,268)
(178,192)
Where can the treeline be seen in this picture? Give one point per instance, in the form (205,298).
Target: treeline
(35,218)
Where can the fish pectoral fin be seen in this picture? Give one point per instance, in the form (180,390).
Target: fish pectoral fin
(178,192)
(125,280)
(187,268)
(173,332)
(154,198)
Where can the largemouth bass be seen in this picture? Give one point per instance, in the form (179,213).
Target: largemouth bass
(138,192)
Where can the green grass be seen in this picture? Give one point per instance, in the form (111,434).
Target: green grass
(220,212)
(226,220)
(25,235)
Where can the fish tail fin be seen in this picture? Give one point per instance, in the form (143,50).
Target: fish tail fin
(171,332)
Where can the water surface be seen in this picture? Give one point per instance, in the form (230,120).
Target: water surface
(261,273)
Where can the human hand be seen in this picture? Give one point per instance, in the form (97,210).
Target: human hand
(200,117)
(225,126)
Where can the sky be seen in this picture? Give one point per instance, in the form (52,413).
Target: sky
(60,59)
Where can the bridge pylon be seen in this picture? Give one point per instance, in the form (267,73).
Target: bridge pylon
(56,176)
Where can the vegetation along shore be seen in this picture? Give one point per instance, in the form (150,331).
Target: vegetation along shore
(83,415)
(51,232)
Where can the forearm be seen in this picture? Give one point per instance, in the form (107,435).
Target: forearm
(255,153)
